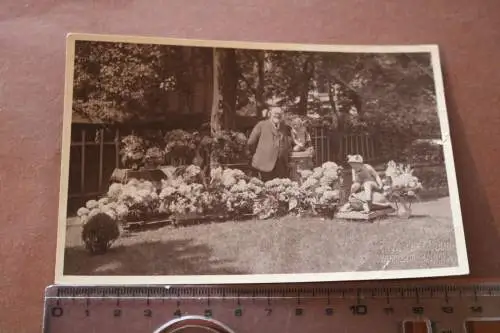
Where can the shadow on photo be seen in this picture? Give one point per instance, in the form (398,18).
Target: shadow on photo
(173,257)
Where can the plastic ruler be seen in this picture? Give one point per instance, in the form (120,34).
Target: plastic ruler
(280,309)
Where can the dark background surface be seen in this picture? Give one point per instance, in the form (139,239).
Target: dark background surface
(32,54)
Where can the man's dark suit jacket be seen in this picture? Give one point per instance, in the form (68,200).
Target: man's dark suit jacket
(265,142)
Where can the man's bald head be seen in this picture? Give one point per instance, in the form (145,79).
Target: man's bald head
(276,115)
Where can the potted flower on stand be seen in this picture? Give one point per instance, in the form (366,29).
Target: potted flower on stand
(153,158)
(401,187)
(132,151)
(139,161)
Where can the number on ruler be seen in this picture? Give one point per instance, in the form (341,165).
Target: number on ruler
(117,313)
(359,310)
(238,312)
(299,312)
(389,310)
(178,313)
(268,311)
(57,311)
(208,313)
(148,313)
(329,311)
(87,313)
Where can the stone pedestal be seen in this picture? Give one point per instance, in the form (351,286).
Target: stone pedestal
(300,161)
(124,175)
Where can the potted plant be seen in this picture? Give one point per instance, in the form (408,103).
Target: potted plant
(153,158)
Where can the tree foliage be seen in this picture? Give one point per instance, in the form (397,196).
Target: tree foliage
(389,93)
(121,82)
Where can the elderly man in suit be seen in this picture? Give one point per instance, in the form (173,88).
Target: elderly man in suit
(270,143)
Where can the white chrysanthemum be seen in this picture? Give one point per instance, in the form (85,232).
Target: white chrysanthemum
(111,213)
(256,181)
(115,190)
(103,201)
(331,195)
(133,182)
(331,173)
(83,211)
(309,183)
(167,191)
(304,174)
(317,172)
(216,173)
(322,189)
(193,170)
(121,210)
(228,181)
(94,212)
(330,165)
(91,204)
(143,193)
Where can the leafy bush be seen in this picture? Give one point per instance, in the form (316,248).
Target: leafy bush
(424,153)
(433,177)
(229,147)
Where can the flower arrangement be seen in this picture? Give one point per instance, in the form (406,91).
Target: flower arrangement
(241,197)
(180,144)
(282,196)
(400,183)
(233,192)
(178,198)
(322,188)
(229,147)
(132,151)
(154,157)
(230,193)
(140,199)
(183,147)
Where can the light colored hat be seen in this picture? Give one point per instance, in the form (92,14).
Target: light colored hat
(354,159)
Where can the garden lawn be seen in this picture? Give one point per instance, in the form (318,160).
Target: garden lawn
(287,245)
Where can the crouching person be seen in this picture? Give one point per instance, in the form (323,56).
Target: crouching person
(365,179)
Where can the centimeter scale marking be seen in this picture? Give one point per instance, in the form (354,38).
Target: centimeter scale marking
(414,309)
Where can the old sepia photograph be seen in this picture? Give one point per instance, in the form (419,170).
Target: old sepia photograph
(195,162)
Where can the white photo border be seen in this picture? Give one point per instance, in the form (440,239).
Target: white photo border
(462,267)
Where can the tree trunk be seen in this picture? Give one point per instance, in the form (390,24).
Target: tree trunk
(215,118)
(229,87)
(307,70)
(338,119)
(259,97)
(336,113)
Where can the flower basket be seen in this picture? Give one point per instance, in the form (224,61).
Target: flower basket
(401,187)
(300,161)
(327,211)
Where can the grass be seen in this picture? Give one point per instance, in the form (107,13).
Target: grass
(288,245)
